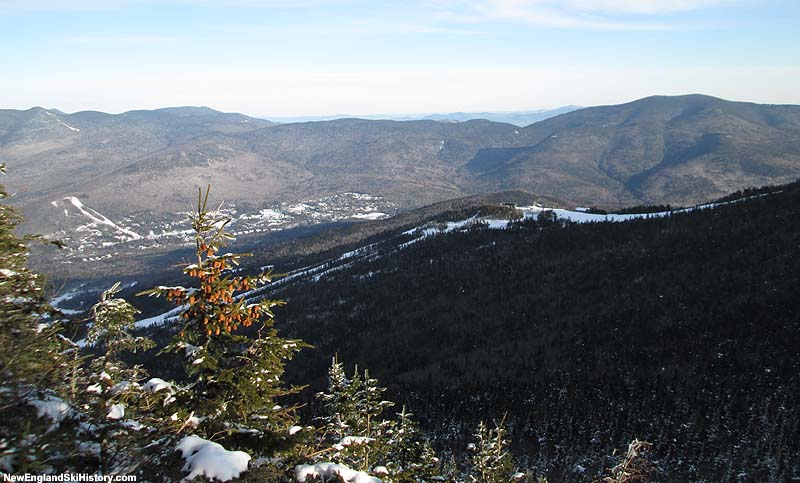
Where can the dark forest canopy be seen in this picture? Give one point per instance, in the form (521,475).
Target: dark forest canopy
(683,330)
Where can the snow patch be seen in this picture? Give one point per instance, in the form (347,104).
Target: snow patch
(161,318)
(123,386)
(157,384)
(97,217)
(116,411)
(75,129)
(325,471)
(94,389)
(212,460)
(352,440)
(298,208)
(375,215)
(131,424)
(52,408)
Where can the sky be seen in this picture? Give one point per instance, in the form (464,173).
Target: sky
(323,57)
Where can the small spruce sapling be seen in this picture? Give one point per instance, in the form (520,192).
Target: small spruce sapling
(491,460)
(113,392)
(353,422)
(410,457)
(113,321)
(633,466)
(357,433)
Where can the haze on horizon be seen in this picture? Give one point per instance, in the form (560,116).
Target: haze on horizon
(285,58)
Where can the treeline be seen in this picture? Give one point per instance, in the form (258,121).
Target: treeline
(638,209)
(750,192)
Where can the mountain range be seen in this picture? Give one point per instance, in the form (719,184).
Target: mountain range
(519,118)
(139,170)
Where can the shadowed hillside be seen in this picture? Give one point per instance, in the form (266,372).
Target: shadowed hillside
(657,150)
(586,335)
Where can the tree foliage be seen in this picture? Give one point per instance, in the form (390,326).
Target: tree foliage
(680,330)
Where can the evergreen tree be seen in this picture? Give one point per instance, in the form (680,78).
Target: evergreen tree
(352,423)
(114,394)
(410,457)
(341,415)
(113,320)
(546,217)
(357,433)
(633,466)
(491,460)
(35,362)
(234,379)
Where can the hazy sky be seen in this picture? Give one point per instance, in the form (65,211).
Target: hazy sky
(315,57)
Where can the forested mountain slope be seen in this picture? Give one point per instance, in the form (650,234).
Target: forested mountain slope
(659,149)
(679,328)
(682,330)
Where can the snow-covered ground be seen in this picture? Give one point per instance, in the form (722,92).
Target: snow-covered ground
(62,123)
(578,215)
(332,472)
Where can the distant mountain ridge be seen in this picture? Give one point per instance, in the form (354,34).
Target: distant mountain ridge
(519,118)
(657,150)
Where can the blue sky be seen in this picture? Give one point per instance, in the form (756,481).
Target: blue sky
(318,57)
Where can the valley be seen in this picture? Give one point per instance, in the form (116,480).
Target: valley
(90,236)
